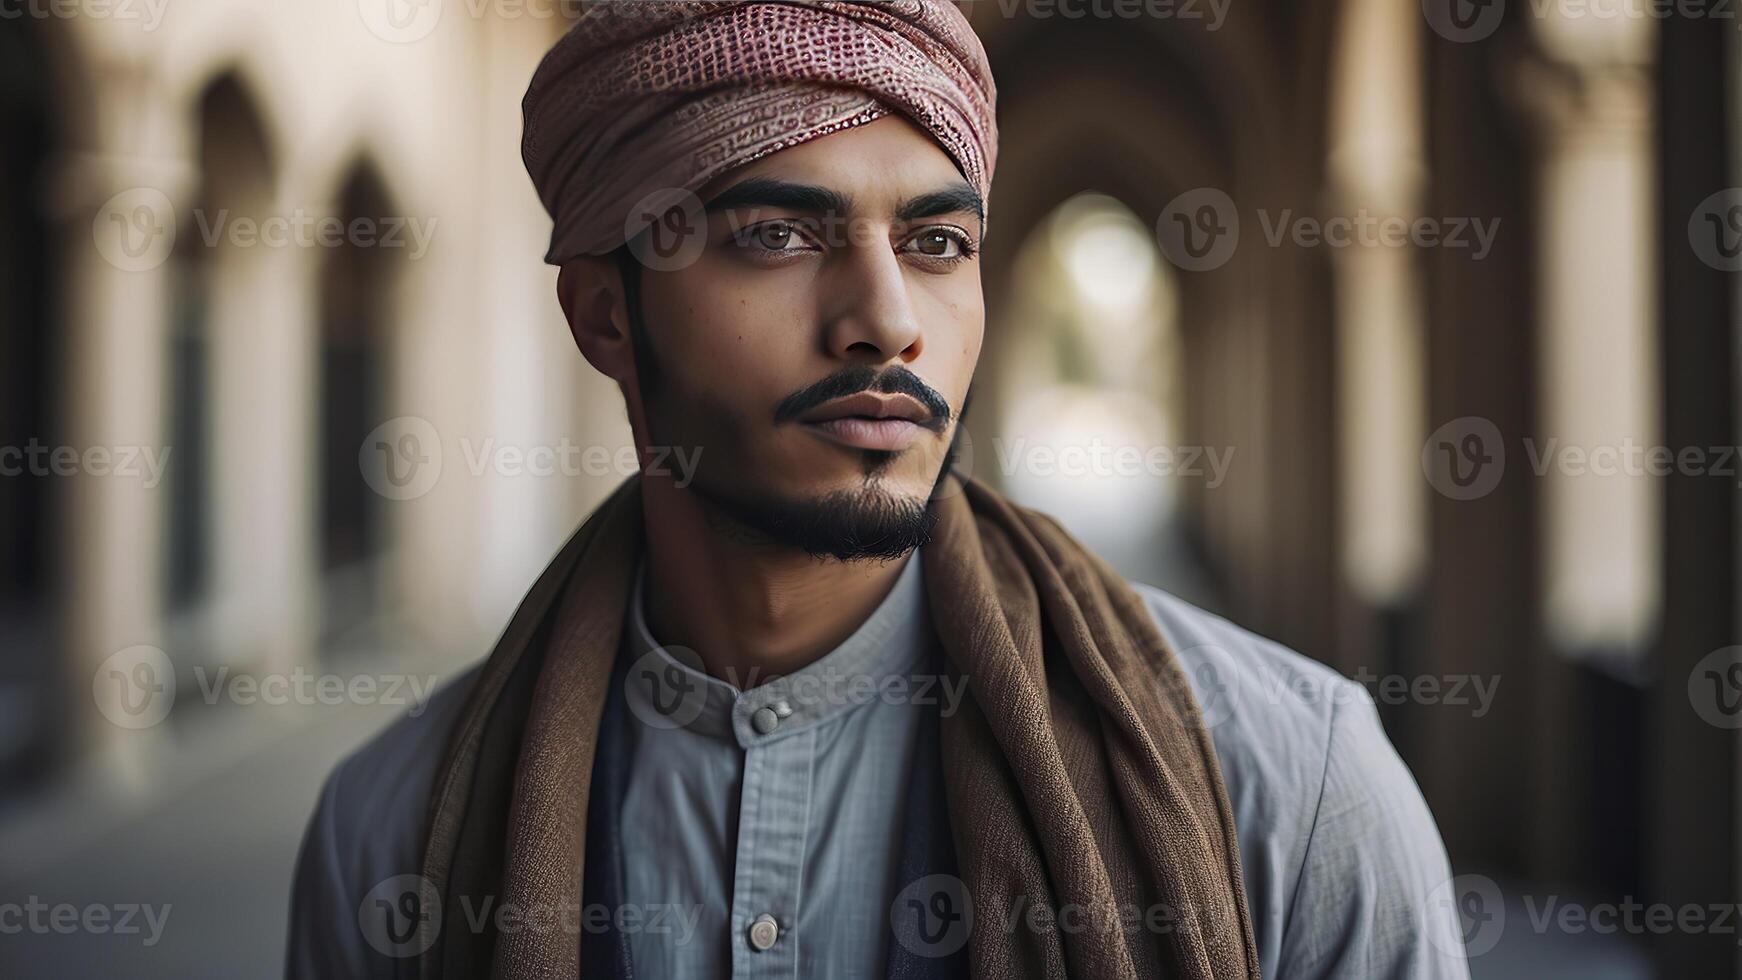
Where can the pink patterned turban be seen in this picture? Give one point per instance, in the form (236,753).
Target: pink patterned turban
(646,96)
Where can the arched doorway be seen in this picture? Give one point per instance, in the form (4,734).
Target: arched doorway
(357,285)
(1089,397)
(212,299)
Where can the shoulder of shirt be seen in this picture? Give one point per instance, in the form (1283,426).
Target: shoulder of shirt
(1240,676)
(1271,712)
(1337,846)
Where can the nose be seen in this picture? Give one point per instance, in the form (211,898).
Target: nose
(871,319)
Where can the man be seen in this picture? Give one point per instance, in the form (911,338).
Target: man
(830,708)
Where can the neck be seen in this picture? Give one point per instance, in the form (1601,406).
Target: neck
(750,610)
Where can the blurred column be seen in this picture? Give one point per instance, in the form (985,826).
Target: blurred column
(119,225)
(1598,361)
(1376,169)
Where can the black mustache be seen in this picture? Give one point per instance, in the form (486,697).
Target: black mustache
(852,380)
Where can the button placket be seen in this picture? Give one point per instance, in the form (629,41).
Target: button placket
(772,826)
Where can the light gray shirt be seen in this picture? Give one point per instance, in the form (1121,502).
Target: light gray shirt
(779,800)
(1344,870)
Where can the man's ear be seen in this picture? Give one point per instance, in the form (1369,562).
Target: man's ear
(590,290)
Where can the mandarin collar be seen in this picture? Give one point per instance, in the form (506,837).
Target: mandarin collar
(666,687)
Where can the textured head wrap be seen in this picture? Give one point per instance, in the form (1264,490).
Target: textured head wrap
(650,96)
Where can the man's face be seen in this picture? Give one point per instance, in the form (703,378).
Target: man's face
(819,350)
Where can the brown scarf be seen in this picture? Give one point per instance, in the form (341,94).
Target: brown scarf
(1080,779)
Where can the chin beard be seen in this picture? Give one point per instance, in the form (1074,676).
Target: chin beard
(868,524)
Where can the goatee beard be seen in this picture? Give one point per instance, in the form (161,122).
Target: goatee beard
(868,524)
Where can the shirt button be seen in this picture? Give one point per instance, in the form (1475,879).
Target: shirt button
(764,721)
(763,932)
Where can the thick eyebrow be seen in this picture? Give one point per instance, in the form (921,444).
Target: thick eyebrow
(814,199)
(959,198)
(769,193)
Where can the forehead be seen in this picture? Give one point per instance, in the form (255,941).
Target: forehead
(880,162)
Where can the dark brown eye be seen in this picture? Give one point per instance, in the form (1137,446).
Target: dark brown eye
(774,236)
(936,243)
(941,243)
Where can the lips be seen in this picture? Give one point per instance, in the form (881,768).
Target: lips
(870,405)
(869,420)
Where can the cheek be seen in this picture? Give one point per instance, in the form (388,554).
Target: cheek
(957,327)
(721,333)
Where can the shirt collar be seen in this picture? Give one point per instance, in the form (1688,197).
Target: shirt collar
(666,687)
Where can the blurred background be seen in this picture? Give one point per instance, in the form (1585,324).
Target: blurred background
(1404,333)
